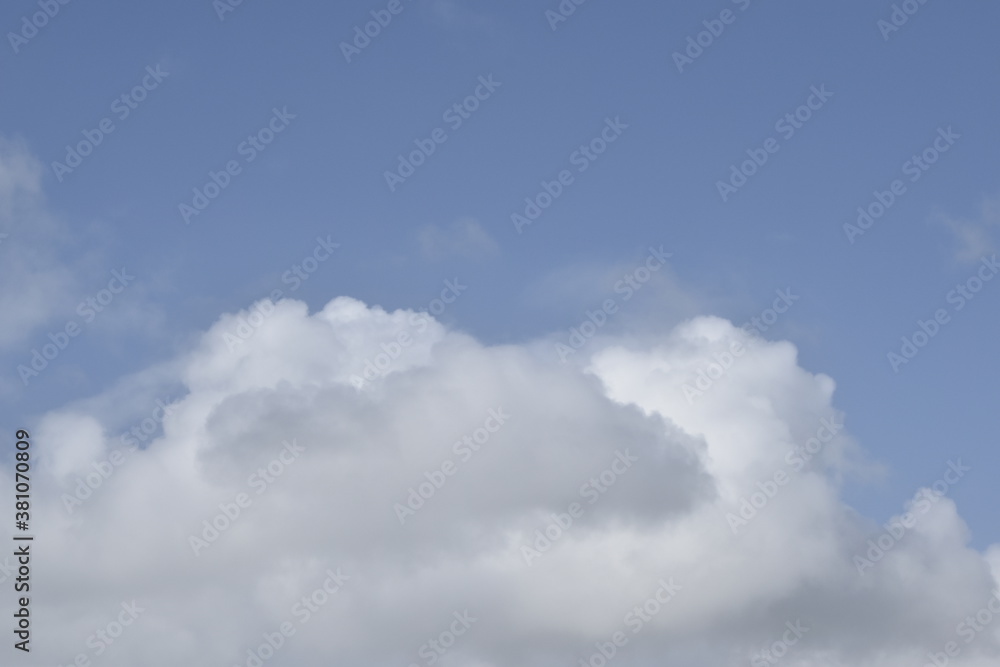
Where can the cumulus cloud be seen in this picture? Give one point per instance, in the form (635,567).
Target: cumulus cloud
(464,504)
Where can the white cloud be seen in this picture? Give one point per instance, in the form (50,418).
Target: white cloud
(332,506)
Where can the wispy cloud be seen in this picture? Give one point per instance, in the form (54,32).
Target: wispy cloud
(975,238)
(464,238)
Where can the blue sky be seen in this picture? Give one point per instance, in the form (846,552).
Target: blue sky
(656,185)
